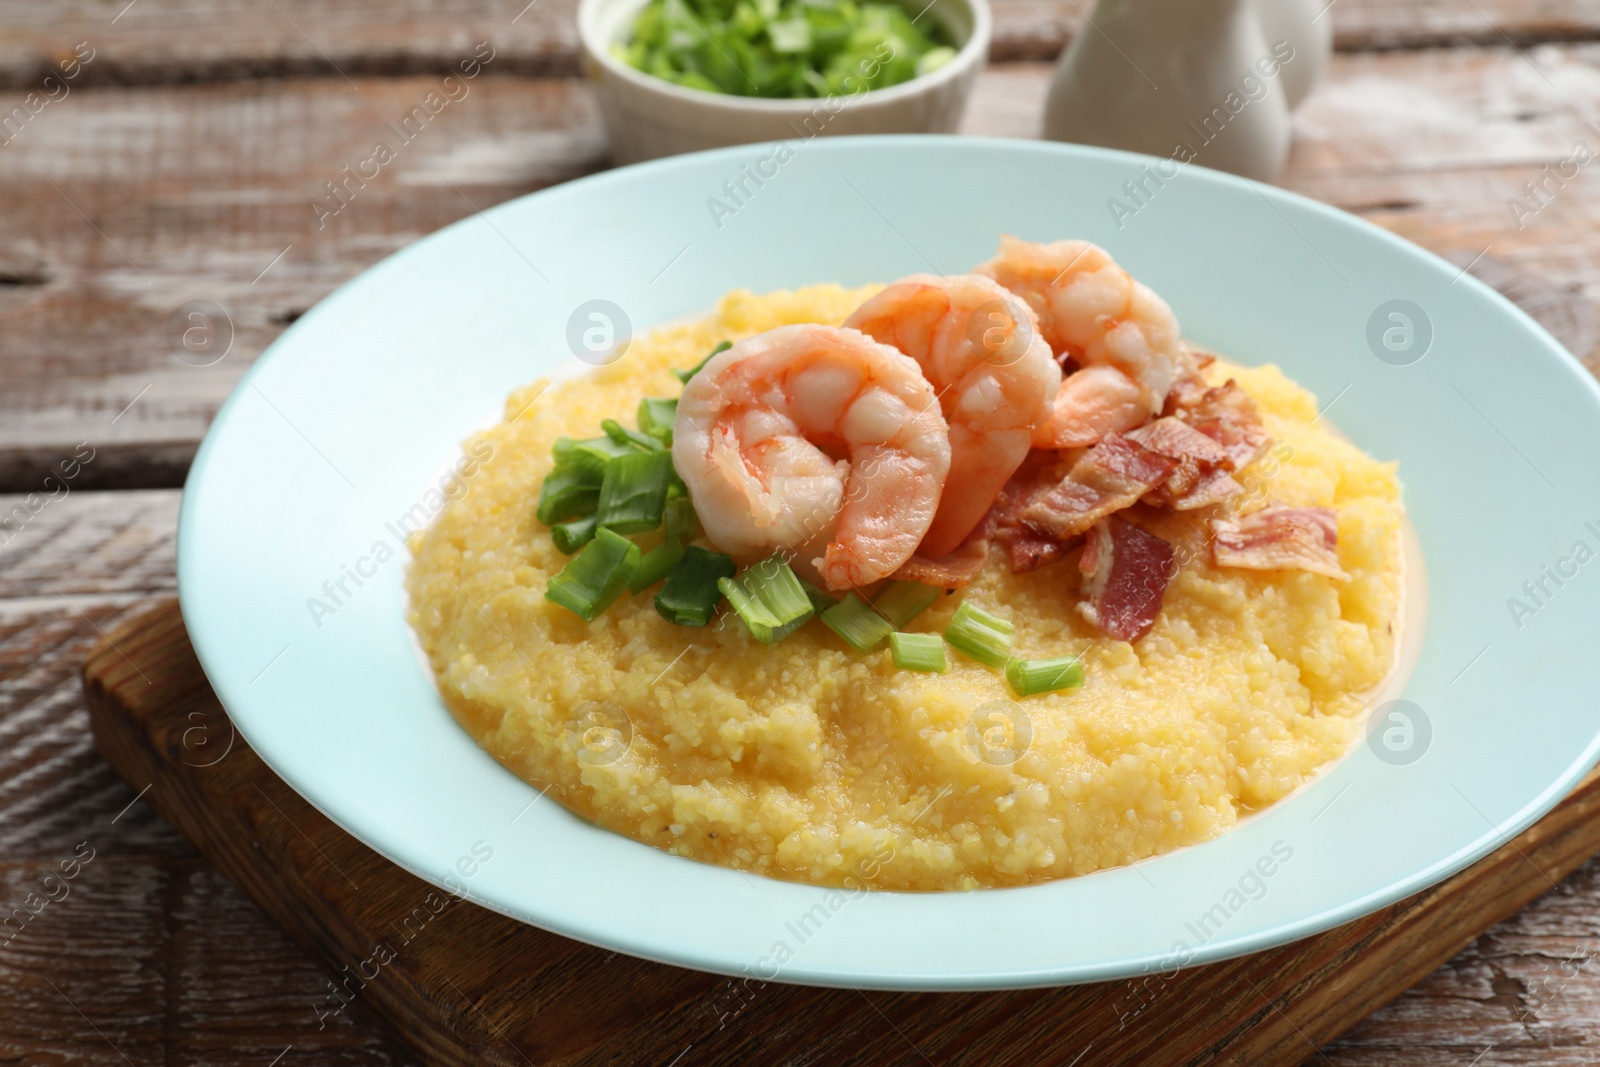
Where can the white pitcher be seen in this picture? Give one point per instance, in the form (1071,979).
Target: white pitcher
(1308,27)
(1194,80)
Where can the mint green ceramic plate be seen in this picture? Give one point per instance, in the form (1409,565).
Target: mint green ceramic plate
(341,427)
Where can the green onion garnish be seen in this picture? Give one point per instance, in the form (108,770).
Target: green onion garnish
(690,596)
(769,599)
(656,564)
(595,577)
(685,375)
(634,492)
(933,59)
(900,602)
(820,600)
(857,624)
(571,536)
(567,494)
(624,436)
(918,652)
(657,417)
(679,518)
(1030,676)
(783,48)
(589,457)
(984,637)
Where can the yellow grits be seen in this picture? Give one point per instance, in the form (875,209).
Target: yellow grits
(808,761)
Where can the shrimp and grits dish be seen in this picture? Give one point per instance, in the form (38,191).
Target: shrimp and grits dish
(951,583)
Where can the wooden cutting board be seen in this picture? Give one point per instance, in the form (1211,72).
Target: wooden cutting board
(461,985)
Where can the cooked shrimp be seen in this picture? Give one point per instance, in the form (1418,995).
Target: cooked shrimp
(1123,336)
(816,441)
(981,349)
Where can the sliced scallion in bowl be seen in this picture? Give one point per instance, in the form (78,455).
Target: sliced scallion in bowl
(784,49)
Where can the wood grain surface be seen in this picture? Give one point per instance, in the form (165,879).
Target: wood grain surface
(193,145)
(462,985)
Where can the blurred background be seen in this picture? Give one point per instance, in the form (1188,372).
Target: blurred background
(181,179)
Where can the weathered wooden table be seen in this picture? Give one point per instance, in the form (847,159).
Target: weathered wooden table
(182,160)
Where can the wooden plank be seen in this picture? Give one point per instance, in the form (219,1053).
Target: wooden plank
(468,986)
(1527,988)
(48,977)
(65,542)
(1040,29)
(159,961)
(240,991)
(213,199)
(52,783)
(163,42)
(80,566)
(166,42)
(1361,25)
(221,179)
(165,959)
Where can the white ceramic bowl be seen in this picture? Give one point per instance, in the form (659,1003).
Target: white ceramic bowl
(648,117)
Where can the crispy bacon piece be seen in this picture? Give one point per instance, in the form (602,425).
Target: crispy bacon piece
(1029,549)
(1214,487)
(1109,477)
(1280,538)
(1228,416)
(954,570)
(1201,476)
(1125,575)
(1176,439)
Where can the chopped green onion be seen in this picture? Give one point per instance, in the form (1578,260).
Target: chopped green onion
(679,519)
(571,536)
(900,602)
(690,596)
(918,652)
(595,577)
(624,436)
(634,492)
(657,417)
(590,457)
(984,637)
(656,564)
(857,624)
(820,600)
(1030,676)
(933,59)
(769,599)
(685,375)
(790,36)
(782,48)
(566,494)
